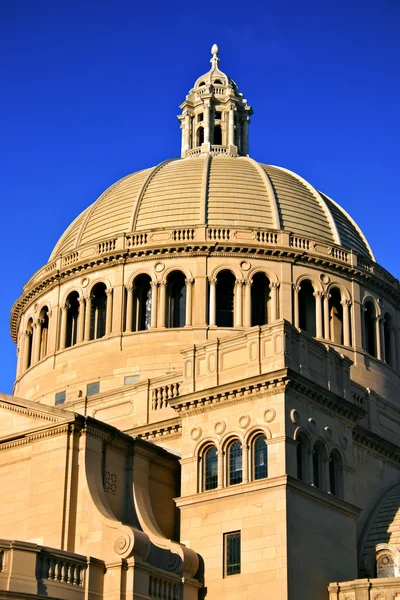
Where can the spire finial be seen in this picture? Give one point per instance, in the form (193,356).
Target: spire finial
(215,60)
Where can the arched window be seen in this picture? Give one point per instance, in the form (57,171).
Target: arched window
(387,333)
(260,295)
(98,312)
(217,135)
(200,136)
(302,457)
(235,461)
(176,300)
(307,307)
(225,299)
(29,343)
(210,468)
(260,457)
(141,304)
(370,328)
(318,466)
(72,304)
(335,474)
(44,331)
(335,316)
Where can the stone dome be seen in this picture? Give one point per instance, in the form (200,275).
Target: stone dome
(218,191)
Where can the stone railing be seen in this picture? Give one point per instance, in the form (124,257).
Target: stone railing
(161,394)
(385,588)
(60,568)
(299,242)
(107,246)
(161,588)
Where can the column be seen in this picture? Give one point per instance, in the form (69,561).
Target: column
(296,319)
(81,319)
(380,347)
(206,122)
(37,329)
(109,310)
(245,463)
(231,127)
(63,334)
(221,458)
(212,318)
(163,303)
(27,348)
(274,300)
(187,133)
(154,294)
(189,286)
(239,302)
(88,313)
(346,322)
(129,308)
(247,302)
(318,313)
(327,330)
(245,139)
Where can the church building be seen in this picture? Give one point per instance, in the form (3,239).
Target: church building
(206,402)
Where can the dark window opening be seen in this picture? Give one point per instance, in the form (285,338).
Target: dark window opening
(72,304)
(307,308)
(217,135)
(29,343)
(218,81)
(44,332)
(218,114)
(200,136)
(260,457)
(141,304)
(301,458)
(336,316)
(200,117)
(210,472)
(232,553)
(98,312)
(260,295)
(317,466)
(225,299)
(176,300)
(370,328)
(235,463)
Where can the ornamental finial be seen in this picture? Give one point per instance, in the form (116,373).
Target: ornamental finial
(215,60)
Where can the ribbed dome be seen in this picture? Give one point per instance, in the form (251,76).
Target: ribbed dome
(217,191)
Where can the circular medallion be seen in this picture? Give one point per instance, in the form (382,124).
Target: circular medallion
(85,282)
(244,421)
(269,415)
(159,267)
(244,265)
(294,416)
(324,278)
(220,427)
(195,433)
(311,424)
(327,432)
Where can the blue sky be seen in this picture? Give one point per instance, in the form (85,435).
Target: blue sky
(90,91)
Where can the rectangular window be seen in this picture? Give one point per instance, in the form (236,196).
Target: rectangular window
(131,379)
(217,114)
(93,388)
(231,553)
(60,397)
(199,117)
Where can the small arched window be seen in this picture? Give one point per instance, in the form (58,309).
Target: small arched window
(210,468)
(235,463)
(98,312)
(44,331)
(335,316)
(176,300)
(200,136)
(260,457)
(225,299)
(72,304)
(217,135)
(260,296)
(302,457)
(335,474)
(141,304)
(317,466)
(29,343)
(218,81)
(387,333)
(370,328)
(307,307)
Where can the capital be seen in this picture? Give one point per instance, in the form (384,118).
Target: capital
(130,288)
(296,288)
(81,300)
(189,281)
(154,284)
(239,282)
(248,282)
(212,280)
(345,302)
(274,285)
(109,291)
(318,294)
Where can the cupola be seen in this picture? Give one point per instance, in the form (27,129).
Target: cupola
(215,116)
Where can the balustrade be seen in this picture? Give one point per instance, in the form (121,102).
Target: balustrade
(59,569)
(163,393)
(164,589)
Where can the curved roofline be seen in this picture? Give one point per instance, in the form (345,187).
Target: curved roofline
(69,228)
(320,201)
(270,191)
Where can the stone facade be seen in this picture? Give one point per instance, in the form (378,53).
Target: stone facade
(206,394)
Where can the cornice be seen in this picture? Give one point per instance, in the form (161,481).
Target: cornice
(169,428)
(30,438)
(29,412)
(375,444)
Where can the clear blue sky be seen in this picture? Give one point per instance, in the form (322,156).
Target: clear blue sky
(90,90)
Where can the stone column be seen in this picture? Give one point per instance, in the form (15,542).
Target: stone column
(206,122)
(245,463)
(245,137)
(109,310)
(163,304)
(154,297)
(27,347)
(296,316)
(63,334)
(380,346)
(221,460)
(346,322)
(81,320)
(88,313)
(231,127)
(239,302)
(129,308)
(37,330)
(187,133)
(247,302)
(327,327)
(189,287)
(274,301)
(318,314)
(212,318)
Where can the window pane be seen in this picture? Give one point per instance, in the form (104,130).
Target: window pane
(260,458)
(92,388)
(316,466)
(235,463)
(232,553)
(211,469)
(60,397)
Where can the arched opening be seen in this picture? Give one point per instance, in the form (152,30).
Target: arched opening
(44,331)
(260,457)
(370,328)
(29,343)
(235,461)
(141,303)
(335,474)
(218,81)
(225,299)
(72,304)
(98,312)
(200,136)
(317,466)
(176,299)
(387,333)
(260,295)
(302,457)
(307,307)
(210,468)
(335,316)
(217,135)
(202,83)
